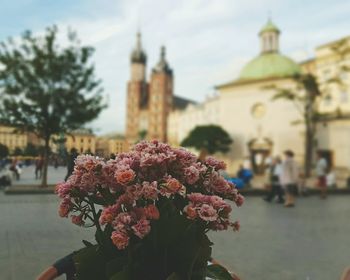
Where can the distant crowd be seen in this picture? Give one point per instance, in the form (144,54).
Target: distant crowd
(286,181)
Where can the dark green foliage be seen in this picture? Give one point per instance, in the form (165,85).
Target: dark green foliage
(17,152)
(4,151)
(174,249)
(31,150)
(216,271)
(47,89)
(211,138)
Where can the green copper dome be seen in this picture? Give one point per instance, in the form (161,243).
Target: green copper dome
(269,65)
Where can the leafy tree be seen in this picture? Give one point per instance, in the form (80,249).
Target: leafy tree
(304,98)
(31,150)
(142,134)
(208,139)
(4,151)
(306,95)
(48,89)
(18,152)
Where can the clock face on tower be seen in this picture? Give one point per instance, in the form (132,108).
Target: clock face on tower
(258,110)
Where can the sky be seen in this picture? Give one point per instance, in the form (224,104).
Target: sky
(207,41)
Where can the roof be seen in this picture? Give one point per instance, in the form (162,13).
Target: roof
(82,131)
(269,65)
(268,27)
(181,103)
(239,82)
(333,42)
(162,65)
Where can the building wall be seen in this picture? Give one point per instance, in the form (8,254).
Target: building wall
(81,142)
(106,146)
(180,123)
(244,121)
(12,139)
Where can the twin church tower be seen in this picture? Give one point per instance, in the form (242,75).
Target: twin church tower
(149,103)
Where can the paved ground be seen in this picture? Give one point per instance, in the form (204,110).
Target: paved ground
(28,176)
(310,241)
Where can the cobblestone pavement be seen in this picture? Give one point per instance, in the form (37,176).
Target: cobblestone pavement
(310,241)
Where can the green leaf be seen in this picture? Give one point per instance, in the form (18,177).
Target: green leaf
(218,272)
(121,275)
(87,243)
(115,266)
(173,276)
(90,264)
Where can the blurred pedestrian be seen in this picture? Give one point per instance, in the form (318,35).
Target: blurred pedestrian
(331,180)
(245,174)
(14,168)
(112,156)
(289,178)
(321,172)
(275,171)
(39,163)
(71,162)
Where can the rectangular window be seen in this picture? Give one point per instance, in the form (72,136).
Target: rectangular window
(343,98)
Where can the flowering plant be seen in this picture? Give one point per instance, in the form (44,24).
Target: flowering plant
(152,208)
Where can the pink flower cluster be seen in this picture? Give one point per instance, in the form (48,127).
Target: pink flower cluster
(211,209)
(130,187)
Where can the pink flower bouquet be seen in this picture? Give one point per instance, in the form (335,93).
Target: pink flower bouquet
(152,208)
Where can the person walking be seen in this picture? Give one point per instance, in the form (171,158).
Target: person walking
(289,178)
(275,171)
(71,162)
(39,163)
(321,172)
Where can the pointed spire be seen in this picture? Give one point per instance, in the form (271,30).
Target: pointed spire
(138,55)
(162,65)
(162,53)
(138,40)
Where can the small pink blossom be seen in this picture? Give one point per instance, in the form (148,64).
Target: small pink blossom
(63,189)
(125,176)
(207,213)
(77,220)
(236,226)
(120,239)
(151,212)
(239,200)
(108,214)
(216,164)
(191,174)
(150,190)
(190,212)
(141,228)
(173,185)
(65,207)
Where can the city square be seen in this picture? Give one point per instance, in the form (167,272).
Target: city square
(175,140)
(307,242)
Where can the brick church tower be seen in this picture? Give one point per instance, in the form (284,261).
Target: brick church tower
(161,98)
(137,91)
(149,104)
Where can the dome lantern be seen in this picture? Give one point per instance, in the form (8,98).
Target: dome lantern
(269,37)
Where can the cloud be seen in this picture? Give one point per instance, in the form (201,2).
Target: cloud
(207,41)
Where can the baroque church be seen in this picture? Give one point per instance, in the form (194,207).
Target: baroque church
(150,103)
(262,127)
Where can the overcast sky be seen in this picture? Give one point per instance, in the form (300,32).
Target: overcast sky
(207,41)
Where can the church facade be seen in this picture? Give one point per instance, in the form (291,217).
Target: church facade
(261,127)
